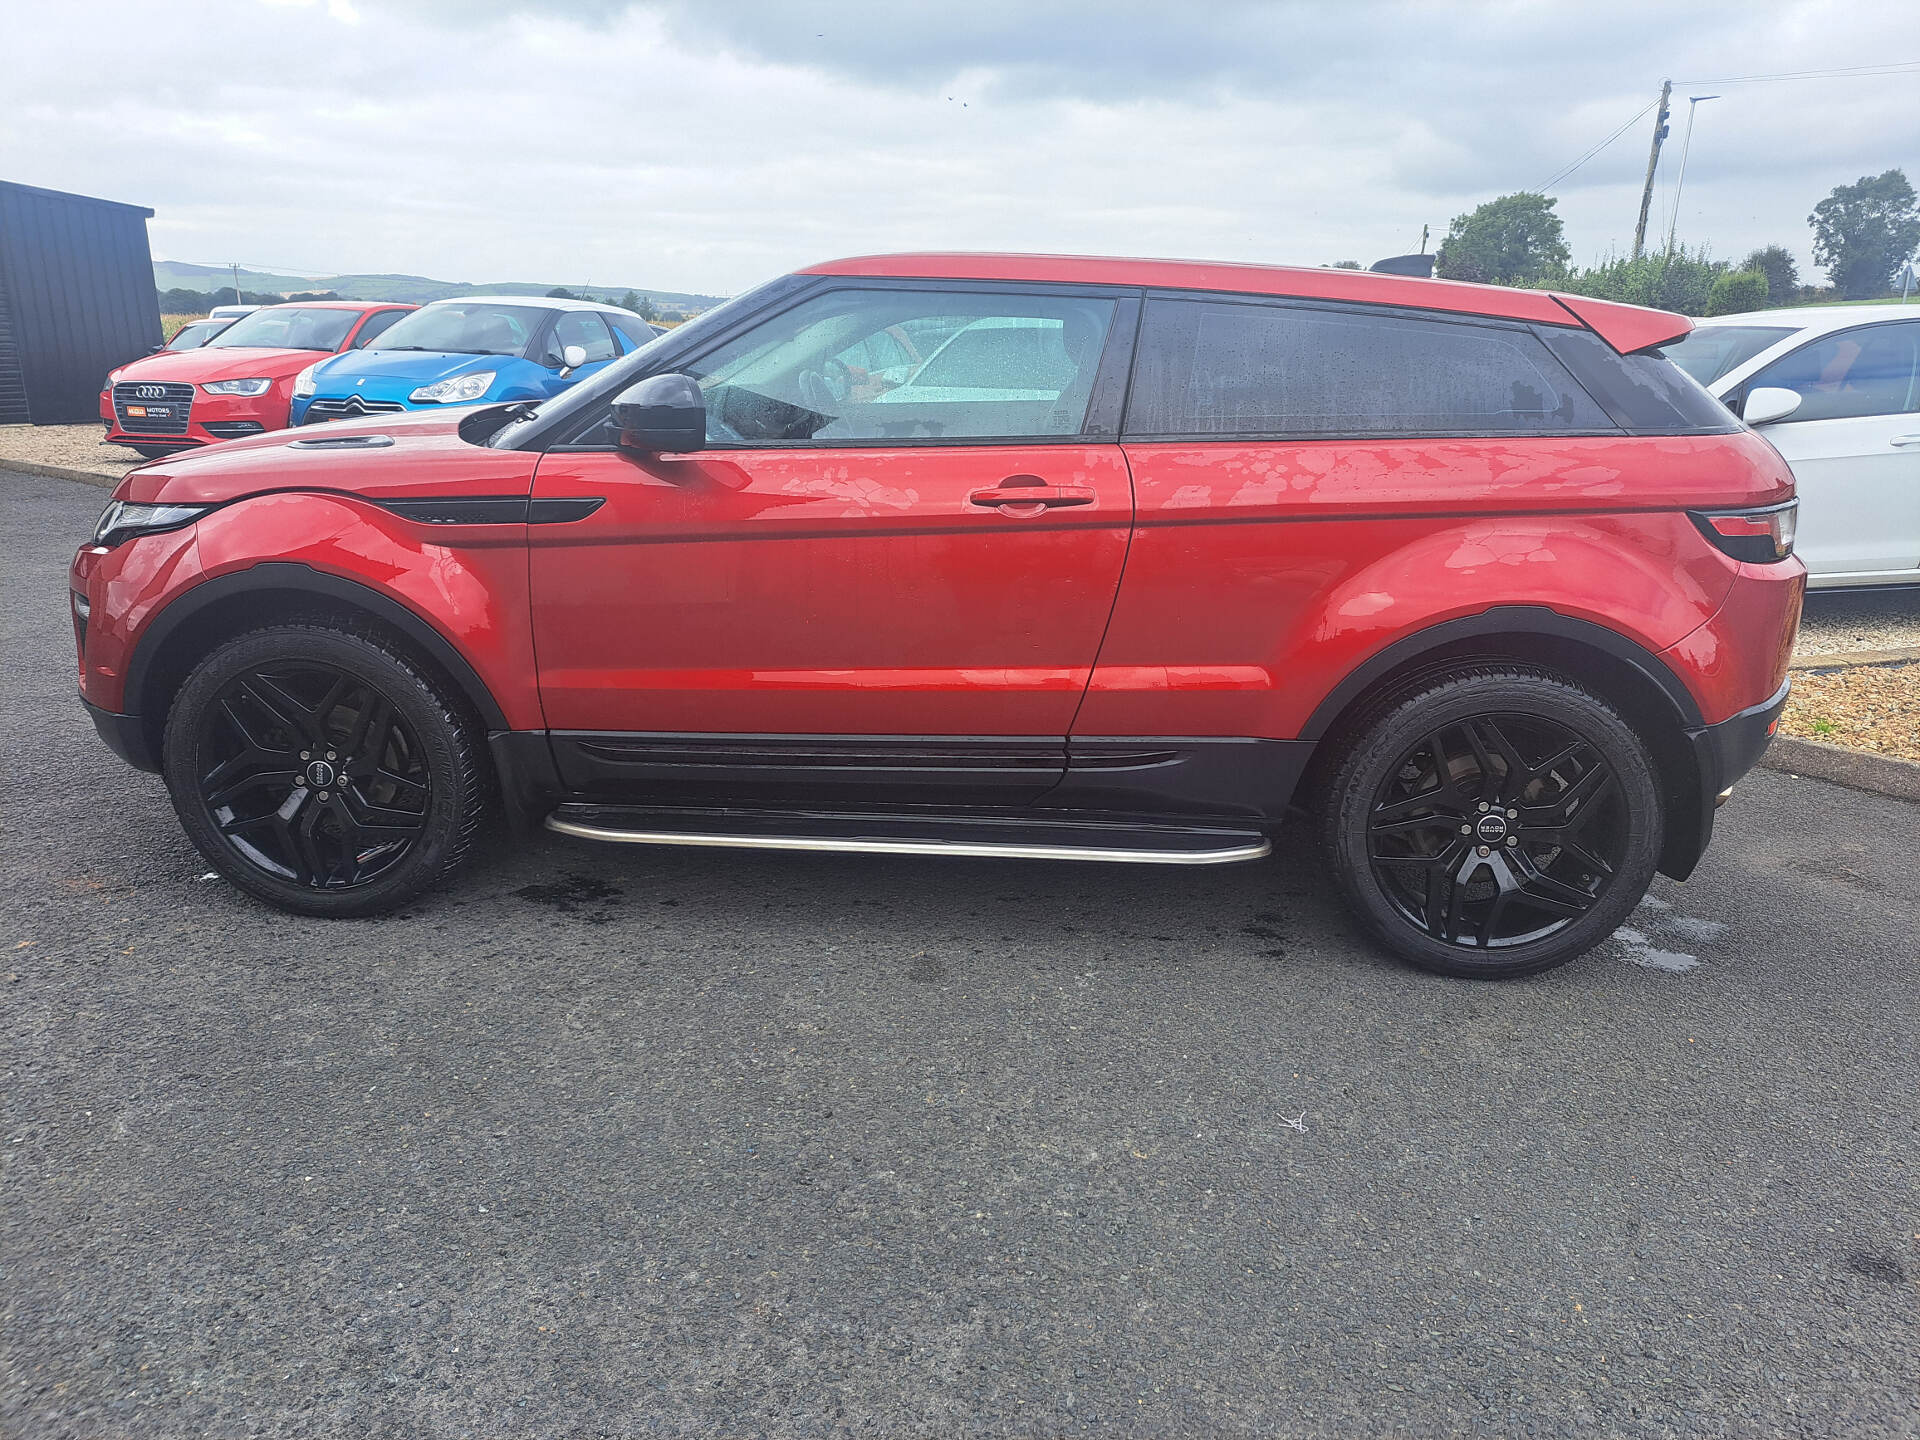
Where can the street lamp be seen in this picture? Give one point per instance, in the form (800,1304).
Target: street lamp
(1693,103)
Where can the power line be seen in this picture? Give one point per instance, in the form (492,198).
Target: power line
(1889,67)
(1598,148)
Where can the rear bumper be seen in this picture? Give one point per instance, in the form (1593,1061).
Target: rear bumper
(125,736)
(1722,754)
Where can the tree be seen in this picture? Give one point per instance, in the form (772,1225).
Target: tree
(560,292)
(1678,279)
(1737,292)
(1514,240)
(1346,265)
(631,301)
(1783,275)
(1864,232)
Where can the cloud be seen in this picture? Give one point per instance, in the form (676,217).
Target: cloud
(699,146)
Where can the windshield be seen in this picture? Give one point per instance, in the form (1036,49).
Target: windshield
(602,387)
(460,327)
(193,336)
(289,327)
(1714,350)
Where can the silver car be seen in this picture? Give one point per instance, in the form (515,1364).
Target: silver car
(1836,388)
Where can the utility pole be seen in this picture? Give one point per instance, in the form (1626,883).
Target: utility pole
(234,265)
(1653,163)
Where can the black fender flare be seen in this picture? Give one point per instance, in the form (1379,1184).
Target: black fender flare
(1505,620)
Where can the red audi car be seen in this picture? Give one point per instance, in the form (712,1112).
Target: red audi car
(240,382)
(1019,556)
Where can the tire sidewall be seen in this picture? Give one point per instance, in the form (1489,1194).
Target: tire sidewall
(1516,693)
(417,702)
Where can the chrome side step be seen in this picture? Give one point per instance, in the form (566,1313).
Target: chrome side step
(967,836)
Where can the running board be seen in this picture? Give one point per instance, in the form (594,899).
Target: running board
(995,837)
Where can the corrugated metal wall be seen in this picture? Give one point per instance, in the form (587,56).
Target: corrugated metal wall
(76,298)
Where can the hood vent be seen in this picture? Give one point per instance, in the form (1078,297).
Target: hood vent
(341,442)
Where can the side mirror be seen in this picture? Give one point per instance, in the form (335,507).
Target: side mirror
(1769,403)
(662,413)
(571,359)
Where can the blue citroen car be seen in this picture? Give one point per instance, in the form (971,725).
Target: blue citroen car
(476,349)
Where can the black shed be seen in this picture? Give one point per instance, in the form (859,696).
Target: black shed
(76,299)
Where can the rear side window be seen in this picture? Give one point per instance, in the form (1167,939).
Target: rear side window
(1221,368)
(1645,392)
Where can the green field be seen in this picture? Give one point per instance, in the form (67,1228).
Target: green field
(415,289)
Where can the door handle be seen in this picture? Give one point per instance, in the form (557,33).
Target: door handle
(1023,494)
(1905,440)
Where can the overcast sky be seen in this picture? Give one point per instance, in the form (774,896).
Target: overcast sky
(705,146)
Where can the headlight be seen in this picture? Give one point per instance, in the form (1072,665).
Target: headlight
(123,520)
(303,383)
(455,391)
(237,387)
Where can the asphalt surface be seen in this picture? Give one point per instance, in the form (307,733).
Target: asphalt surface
(609,1142)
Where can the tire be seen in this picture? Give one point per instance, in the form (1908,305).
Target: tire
(322,769)
(1527,847)
(157,452)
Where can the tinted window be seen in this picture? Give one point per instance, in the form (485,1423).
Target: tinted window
(898,364)
(585,329)
(1644,392)
(463,327)
(1871,371)
(1219,368)
(1713,350)
(289,327)
(377,325)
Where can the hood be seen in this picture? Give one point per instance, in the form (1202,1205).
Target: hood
(220,362)
(426,457)
(383,372)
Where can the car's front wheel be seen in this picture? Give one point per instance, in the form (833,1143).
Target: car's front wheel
(322,769)
(1499,822)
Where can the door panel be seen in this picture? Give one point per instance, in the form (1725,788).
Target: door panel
(848,592)
(1859,491)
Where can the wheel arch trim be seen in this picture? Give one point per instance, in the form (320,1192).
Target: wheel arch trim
(292,577)
(1532,620)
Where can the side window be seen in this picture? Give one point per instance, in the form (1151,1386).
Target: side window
(375,326)
(1221,368)
(1874,370)
(633,330)
(879,365)
(585,329)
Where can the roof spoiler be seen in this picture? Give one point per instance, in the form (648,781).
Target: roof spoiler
(1420,266)
(1625,327)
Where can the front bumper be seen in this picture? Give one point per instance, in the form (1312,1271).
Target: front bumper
(125,736)
(195,418)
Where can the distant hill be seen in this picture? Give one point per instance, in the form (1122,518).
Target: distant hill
(417,289)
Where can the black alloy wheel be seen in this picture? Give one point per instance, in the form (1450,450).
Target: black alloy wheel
(309,773)
(1499,823)
(322,769)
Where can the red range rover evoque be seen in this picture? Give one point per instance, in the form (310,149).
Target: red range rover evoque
(973,555)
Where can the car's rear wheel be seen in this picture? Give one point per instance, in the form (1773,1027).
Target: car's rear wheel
(1499,822)
(323,770)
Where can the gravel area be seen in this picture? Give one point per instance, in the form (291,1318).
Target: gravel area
(71,447)
(1865,707)
(1835,622)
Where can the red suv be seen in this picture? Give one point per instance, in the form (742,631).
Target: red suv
(240,382)
(1009,556)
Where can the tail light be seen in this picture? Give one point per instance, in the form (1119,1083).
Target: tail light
(1759,537)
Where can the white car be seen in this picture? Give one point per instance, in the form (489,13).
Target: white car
(1836,388)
